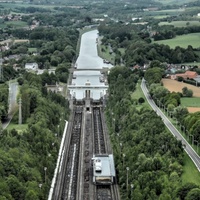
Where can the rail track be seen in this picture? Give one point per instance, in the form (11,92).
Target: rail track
(84,139)
(99,140)
(103,192)
(69,189)
(87,156)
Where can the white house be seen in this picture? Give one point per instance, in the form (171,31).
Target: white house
(31,66)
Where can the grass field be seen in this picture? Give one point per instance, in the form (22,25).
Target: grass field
(190,102)
(161,16)
(137,94)
(182,41)
(174,2)
(181,23)
(104,53)
(190,172)
(19,127)
(32,50)
(15,5)
(192,63)
(16,24)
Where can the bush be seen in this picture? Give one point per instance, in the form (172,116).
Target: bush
(141,100)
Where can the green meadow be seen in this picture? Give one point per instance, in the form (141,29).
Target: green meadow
(181,23)
(190,102)
(182,41)
(190,172)
(104,52)
(18,127)
(137,94)
(174,2)
(32,50)
(15,24)
(161,16)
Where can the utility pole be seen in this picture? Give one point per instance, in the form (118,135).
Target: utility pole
(20,110)
(127,169)
(1,70)
(1,127)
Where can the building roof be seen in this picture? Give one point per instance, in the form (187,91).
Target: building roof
(106,163)
(32,66)
(188,74)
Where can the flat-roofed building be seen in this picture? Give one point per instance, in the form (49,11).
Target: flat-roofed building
(31,66)
(103,169)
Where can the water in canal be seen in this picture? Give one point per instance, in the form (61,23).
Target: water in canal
(89,65)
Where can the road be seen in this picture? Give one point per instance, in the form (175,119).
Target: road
(188,149)
(13,89)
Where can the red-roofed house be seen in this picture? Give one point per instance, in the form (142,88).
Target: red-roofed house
(186,75)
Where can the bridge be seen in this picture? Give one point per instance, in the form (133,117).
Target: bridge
(88,87)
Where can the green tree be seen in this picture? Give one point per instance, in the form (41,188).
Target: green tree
(153,75)
(189,93)
(31,195)
(180,113)
(194,194)
(185,189)
(15,187)
(141,100)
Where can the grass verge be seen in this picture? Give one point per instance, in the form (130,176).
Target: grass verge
(136,95)
(190,172)
(104,52)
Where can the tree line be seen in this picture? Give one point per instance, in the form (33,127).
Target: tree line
(4,93)
(169,31)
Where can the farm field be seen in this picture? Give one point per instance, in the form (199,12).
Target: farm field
(16,24)
(192,104)
(160,16)
(175,2)
(182,41)
(181,23)
(176,86)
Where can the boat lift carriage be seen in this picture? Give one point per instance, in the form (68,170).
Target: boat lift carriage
(103,169)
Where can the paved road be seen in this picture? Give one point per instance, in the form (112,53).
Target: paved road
(188,149)
(13,89)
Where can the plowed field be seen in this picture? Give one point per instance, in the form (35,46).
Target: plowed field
(173,85)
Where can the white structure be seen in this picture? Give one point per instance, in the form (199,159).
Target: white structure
(31,66)
(103,169)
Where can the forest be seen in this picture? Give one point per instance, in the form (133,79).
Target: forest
(26,155)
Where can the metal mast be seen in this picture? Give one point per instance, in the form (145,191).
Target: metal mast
(1,70)
(20,111)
